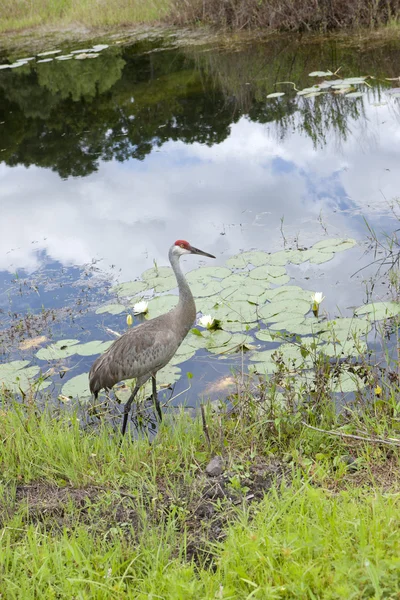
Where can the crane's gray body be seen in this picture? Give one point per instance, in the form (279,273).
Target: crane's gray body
(142,351)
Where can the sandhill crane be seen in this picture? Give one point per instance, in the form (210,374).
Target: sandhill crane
(142,351)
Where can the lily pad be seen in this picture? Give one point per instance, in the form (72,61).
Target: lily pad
(181,358)
(252,291)
(251,257)
(334,244)
(268,272)
(238,310)
(287,324)
(235,343)
(265,336)
(346,383)
(237,280)
(14,378)
(58,350)
(308,90)
(289,292)
(155,272)
(320,74)
(113,309)
(163,284)
(204,290)
(205,274)
(379,310)
(344,329)
(162,304)
(284,309)
(49,53)
(77,387)
(129,288)
(318,258)
(276,95)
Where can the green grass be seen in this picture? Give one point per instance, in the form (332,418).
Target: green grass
(22,14)
(83,517)
(273,15)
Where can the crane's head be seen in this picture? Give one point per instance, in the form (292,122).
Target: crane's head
(183,247)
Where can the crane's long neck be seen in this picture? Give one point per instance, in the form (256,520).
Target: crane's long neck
(186,308)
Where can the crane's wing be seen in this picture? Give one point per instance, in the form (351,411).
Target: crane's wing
(139,353)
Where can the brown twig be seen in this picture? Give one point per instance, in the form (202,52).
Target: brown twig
(205,426)
(361,438)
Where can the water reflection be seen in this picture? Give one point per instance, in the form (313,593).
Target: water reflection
(116,157)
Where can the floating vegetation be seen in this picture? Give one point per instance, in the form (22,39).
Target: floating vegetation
(345,86)
(249,293)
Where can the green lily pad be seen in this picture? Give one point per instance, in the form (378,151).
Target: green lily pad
(237,310)
(346,383)
(77,387)
(162,304)
(289,292)
(284,309)
(282,280)
(334,244)
(251,257)
(235,280)
(206,289)
(354,80)
(343,329)
(348,348)
(129,288)
(19,379)
(208,339)
(283,257)
(265,336)
(269,272)
(251,291)
(238,327)
(320,74)
(320,257)
(156,272)
(112,309)
(287,324)
(379,310)
(308,90)
(276,95)
(58,350)
(234,344)
(205,274)
(181,358)
(163,284)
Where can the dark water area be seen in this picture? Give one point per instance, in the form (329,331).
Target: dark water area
(105,162)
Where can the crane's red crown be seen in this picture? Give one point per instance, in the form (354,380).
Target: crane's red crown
(182,244)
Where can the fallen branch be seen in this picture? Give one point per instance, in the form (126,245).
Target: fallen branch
(361,438)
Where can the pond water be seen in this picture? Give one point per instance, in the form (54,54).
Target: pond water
(106,161)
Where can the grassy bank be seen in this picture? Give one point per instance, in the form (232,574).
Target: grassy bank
(295,512)
(271,15)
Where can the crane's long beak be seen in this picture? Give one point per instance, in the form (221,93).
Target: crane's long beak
(197,251)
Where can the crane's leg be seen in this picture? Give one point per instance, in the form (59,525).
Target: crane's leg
(127,407)
(155,398)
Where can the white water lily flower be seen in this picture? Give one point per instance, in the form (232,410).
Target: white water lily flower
(206,321)
(140,307)
(317,297)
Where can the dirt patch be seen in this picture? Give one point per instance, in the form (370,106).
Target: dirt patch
(203,509)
